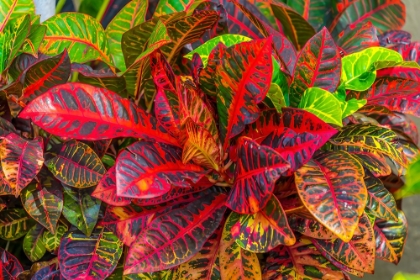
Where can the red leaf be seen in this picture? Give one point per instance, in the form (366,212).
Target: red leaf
(147,170)
(85,112)
(256,171)
(268,121)
(410,52)
(107,190)
(318,65)
(409,73)
(10,266)
(296,148)
(242,87)
(192,225)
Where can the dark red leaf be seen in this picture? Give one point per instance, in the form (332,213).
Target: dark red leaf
(257,169)
(410,52)
(409,73)
(85,112)
(392,37)
(9,265)
(147,170)
(357,37)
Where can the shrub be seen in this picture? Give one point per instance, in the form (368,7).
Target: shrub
(201,140)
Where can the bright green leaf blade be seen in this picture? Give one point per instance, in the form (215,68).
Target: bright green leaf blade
(166,7)
(33,245)
(323,104)
(358,70)
(130,15)
(351,106)
(52,241)
(34,40)
(82,36)
(406,276)
(205,49)
(11,9)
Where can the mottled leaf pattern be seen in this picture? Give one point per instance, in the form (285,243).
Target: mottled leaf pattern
(33,244)
(12,9)
(257,170)
(14,223)
(154,250)
(147,170)
(107,190)
(309,227)
(318,65)
(241,91)
(356,37)
(21,160)
(264,230)
(76,165)
(94,257)
(235,262)
(331,187)
(52,241)
(390,238)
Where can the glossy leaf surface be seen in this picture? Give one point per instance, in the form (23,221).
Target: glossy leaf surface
(12,9)
(147,170)
(14,223)
(102,115)
(332,189)
(33,244)
(76,165)
(94,257)
(257,170)
(263,231)
(318,65)
(52,241)
(236,102)
(153,251)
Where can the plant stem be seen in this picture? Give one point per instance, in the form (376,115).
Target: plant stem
(102,10)
(59,6)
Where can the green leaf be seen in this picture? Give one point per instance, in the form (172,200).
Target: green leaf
(52,241)
(406,276)
(14,223)
(359,69)
(166,7)
(129,16)
(323,104)
(351,106)
(33,245)
(12,39)
(12,9)
(412,181)
(90,7)
(82,36)
(80,209)
(275,95)
(205,49)
(34,40)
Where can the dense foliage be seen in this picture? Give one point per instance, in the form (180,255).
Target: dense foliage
(205,140)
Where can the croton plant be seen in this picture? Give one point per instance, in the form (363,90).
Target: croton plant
(205,140)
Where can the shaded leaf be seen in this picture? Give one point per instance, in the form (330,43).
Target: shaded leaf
(76,165)
(85,42)
(192,225)
(235,262)
(33,244)
(257,169)
(14,223)
(94,257)
(21,160)
(10,265)
(52,241)
(331,187)
(264,230)
(276,96)
(107,190)
(375,163)
(390,238)
(241,90)
(34,39)
(309,227)
(318,65)
(80,209)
